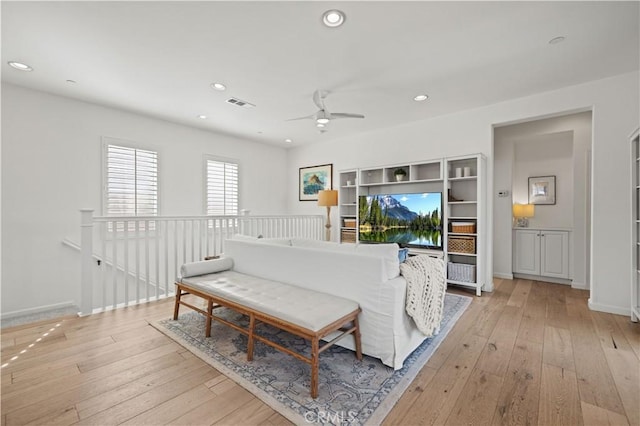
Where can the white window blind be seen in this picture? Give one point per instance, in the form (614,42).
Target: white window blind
(131,182)
(222,188)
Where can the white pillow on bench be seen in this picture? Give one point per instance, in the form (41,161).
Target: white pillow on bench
(205,267)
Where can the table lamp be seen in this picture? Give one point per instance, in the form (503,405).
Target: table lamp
(328,198)
(522,213)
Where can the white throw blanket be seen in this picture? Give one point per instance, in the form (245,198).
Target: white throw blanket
(426,287)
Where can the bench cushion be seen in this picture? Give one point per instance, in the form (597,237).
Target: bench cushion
(306,308)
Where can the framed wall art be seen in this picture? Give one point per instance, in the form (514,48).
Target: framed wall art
(313,180)
(542,190)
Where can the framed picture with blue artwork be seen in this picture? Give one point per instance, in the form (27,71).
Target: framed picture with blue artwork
(313,180)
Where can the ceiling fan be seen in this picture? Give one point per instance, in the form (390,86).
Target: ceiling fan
(323,116)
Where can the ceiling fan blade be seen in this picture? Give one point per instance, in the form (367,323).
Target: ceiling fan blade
(312,116)
(318,98)
(335,115)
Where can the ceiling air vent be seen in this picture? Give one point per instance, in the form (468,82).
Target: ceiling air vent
(240,103)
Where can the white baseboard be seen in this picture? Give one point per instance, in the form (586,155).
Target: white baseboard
(36,310)
(504,276)
(609,308)
(543,279)
(579,286)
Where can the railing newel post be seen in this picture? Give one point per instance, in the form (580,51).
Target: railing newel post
(86,262)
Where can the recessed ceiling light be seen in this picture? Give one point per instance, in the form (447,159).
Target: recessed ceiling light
(218,86)
(557,40)
(20,66)
(333,18)
(421,98)
(288,140)
(202,116)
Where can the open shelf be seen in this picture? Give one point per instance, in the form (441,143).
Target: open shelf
(462,283)
(465,184)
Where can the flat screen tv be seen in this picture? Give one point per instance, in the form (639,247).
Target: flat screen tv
(411,220)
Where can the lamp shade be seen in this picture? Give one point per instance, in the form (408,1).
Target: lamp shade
(523,210)
(328,198)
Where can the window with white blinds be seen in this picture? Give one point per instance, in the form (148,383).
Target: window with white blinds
(222,187)
(131,187)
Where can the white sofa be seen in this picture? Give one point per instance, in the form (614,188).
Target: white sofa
(367,274)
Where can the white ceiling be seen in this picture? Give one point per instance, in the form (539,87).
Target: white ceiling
(159,58)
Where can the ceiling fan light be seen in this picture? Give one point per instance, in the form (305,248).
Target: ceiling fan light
(322,120)
(320,125)
(333,18)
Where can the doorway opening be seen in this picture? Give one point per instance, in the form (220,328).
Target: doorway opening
(552,150)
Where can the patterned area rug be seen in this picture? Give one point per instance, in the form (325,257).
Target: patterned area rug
(350,391)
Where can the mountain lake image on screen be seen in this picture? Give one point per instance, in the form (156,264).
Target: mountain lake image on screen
(411,220)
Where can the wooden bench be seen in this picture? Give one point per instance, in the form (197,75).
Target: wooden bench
(299,311)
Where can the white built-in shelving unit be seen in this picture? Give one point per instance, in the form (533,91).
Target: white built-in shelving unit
(348,206)
(465,208)
(635,225)
(437,175)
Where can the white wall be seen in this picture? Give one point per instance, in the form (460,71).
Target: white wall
(51,167)
(554,146)
(549,155)
(615,105)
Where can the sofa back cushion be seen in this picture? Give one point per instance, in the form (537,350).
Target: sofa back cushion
(278,241)
(389,252)
(307,267)
(323,245)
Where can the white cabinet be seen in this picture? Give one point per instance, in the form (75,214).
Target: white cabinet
(541,252)
(635,225)
(526,259)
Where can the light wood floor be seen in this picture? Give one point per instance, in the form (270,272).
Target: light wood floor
(529,353)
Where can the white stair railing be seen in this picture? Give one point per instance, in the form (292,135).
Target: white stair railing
(131,260)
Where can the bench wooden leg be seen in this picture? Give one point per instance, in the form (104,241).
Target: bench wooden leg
(252,325)
(209,314)
(315,363)
(177,306)
(356,335)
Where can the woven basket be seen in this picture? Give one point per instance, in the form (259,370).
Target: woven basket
(463,227)
(349,223)
(461,244)
(347,236)
(462,272)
